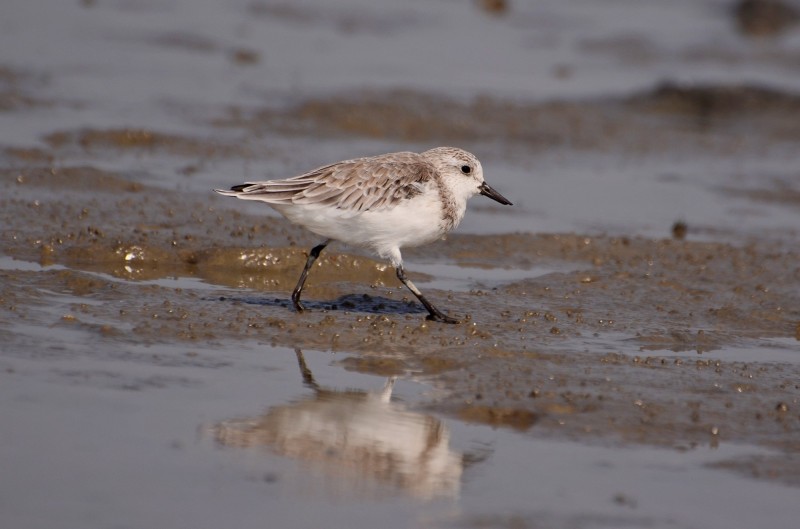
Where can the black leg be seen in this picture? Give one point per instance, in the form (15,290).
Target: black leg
(312,256)
(433,313)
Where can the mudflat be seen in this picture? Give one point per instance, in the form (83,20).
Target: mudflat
(631,326)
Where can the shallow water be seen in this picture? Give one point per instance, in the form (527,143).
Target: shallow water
(236,434)
(608,373)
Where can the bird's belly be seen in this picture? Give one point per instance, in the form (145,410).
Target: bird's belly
(406,224)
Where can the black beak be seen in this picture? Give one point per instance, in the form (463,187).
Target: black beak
(487,191)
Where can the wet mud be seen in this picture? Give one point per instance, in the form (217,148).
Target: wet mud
(674,326)
(588,354)
(689,117)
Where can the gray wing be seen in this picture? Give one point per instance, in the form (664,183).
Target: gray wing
(364,184)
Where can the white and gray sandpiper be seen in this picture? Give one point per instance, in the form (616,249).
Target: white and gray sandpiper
(380,203)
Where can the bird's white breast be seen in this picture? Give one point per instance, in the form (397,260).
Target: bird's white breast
(410,223)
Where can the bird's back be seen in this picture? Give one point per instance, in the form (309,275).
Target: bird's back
(352,186)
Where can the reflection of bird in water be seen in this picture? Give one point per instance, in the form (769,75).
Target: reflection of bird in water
(358,435)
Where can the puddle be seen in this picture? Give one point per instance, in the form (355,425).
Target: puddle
(9,263)
(439,276)
(465,278)
(766,350)
(691,346)
(110,442)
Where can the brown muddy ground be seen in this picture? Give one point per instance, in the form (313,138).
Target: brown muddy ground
(586,354)
(629,354)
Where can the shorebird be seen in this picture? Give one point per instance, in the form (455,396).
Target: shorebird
(380,203)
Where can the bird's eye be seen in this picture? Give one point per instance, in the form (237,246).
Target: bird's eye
(466,169)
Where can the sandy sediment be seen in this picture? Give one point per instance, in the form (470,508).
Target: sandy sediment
(613,345)
(586,353)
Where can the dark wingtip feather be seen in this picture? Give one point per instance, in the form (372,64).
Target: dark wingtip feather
(240,187)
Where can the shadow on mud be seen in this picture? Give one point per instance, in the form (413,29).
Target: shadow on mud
(350,302)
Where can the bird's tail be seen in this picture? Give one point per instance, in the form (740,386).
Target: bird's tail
(233,191)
